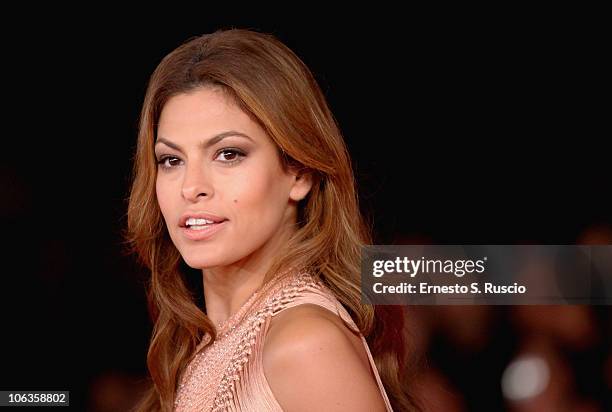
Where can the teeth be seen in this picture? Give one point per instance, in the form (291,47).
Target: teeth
(198,222)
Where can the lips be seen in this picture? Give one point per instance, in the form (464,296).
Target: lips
(205,233)
(200,215)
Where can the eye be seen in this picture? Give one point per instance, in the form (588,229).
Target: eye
(226,156)
(168,162)
(230,155)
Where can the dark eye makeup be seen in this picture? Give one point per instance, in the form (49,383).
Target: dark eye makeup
(231,156)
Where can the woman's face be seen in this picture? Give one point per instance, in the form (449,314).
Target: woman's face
(215,163)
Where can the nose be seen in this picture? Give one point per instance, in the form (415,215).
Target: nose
(196,183)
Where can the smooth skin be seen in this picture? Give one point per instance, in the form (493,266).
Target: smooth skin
(313,362)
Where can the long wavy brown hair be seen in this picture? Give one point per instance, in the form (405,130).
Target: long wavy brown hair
(273,86)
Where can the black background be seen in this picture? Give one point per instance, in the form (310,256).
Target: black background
(462,130)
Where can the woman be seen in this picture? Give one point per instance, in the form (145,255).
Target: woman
(241,172)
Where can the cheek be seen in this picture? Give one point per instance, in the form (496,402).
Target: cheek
(258,200)
(163,198)
(159,193)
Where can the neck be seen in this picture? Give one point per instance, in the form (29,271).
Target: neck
(227,288)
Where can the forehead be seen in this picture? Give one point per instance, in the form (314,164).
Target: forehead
(203,111)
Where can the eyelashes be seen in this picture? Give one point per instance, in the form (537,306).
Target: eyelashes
(230,156)
(239,155)
(162,162)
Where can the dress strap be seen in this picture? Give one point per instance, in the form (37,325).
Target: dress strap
(319,295)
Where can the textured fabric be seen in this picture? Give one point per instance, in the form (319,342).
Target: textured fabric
(228,374)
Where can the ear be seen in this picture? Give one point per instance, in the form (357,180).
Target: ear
(301,186)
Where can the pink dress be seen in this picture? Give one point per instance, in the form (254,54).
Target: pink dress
(228,374)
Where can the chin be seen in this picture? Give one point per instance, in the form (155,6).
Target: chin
(200,263)
(208,259)
(205,261)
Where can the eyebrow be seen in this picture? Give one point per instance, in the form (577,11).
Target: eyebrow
(210,142)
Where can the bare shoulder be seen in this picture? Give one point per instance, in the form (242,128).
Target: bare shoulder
(313,362)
